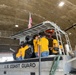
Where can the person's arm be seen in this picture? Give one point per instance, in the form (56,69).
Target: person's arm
(50,48)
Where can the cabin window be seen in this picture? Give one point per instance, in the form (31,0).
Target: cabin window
(4,72)
(32,73)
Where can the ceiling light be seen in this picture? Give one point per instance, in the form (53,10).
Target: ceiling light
(61,4)
(16,25)
(70,33)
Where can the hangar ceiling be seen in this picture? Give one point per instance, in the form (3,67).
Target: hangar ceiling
(16,12)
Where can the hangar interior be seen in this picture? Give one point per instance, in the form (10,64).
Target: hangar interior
(14,17)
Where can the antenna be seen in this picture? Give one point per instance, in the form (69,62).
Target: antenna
(73,26)
(12,50)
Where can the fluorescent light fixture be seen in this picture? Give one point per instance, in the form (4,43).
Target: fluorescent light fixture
(16,25)
(61,4)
